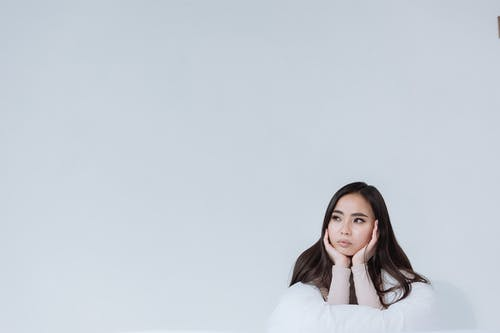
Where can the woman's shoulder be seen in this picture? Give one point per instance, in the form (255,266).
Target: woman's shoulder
(304,291)
(301,287)
(389,281)
(419,290)
(300,294)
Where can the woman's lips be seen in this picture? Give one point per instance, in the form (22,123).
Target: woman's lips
(344,243)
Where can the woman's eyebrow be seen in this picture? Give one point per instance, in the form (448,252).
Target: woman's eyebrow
(359,214)
(353,214)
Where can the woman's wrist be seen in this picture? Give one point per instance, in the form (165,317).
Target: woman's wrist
(360,267)
(358,262)
(340,268)
(344,263)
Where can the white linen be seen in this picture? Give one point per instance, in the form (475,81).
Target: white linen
(303,310)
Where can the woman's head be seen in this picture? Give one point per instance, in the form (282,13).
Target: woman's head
(349,221)
(351,224)
(351,215)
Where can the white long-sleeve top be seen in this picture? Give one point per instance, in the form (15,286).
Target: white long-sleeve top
(339,292)
(302,309)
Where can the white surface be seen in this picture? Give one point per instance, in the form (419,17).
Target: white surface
(226,331)
(302,310)
(163,163)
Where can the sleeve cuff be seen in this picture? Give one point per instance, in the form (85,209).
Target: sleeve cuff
(358,269)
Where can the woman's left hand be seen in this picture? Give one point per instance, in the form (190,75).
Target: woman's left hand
(366,252)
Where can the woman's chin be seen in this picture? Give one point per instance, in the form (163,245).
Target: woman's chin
(345,251)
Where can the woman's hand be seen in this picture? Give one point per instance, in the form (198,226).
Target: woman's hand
(366,252)
(337,257)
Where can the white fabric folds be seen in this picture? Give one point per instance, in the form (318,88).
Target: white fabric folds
(303,310)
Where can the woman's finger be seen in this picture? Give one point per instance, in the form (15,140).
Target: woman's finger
(325,240)
(328,245)
(373,241)
(375,231)
(374,238)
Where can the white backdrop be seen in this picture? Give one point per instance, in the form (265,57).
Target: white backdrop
(163,163)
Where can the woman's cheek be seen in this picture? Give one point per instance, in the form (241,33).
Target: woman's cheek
(368,237)
(331,235)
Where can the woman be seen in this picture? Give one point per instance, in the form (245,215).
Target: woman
(356,277)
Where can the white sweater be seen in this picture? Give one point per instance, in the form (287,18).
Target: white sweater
(302,309)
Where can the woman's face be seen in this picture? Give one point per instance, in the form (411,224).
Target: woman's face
(351,224)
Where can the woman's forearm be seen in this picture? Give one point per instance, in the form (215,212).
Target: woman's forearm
(339,287)
(366,293)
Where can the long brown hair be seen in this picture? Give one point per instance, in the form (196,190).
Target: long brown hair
(315,266)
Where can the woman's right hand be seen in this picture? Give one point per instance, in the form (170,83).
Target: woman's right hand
(337,257)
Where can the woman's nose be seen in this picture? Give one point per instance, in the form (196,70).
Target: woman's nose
(346,230)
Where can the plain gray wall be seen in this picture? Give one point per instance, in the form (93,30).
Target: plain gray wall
(163,163)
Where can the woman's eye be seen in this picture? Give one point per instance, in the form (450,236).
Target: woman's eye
(358,220)
(335,218)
